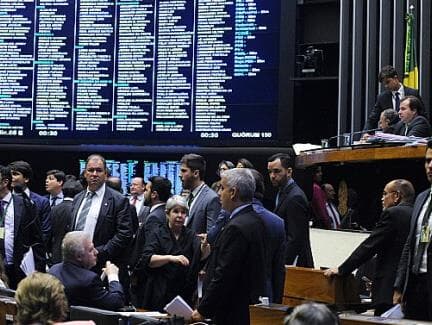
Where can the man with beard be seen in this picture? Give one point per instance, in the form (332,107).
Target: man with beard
(203,202)
(293,207)
(156,194)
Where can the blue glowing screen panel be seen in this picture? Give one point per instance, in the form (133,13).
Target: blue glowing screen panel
(128,169)
(139,70)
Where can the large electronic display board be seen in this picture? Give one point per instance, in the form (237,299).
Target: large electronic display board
(90,71)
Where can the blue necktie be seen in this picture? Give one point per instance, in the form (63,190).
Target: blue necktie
(397,101)
(53,201)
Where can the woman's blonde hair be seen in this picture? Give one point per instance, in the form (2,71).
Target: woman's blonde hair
(40,298)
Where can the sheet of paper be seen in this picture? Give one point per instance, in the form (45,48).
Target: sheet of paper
(27,263)
(179,307)
(394,312)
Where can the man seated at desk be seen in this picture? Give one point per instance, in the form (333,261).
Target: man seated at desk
(412,119)
(388,119)
(83,287)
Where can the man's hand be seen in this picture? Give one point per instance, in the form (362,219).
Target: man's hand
(397,297)
(196,316)
(331,272)
(110,269)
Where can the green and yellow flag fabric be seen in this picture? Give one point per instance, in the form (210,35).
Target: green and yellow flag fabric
(411,66)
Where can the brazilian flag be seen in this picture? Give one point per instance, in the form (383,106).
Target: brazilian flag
(411,66)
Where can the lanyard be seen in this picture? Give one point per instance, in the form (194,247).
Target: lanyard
(3,215)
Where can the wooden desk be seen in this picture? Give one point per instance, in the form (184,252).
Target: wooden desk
(303,284)
(264,315)
(358,154)
(8,309)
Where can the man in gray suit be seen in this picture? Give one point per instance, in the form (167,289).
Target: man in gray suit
(204,205)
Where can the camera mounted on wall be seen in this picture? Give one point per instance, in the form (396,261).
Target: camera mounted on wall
(310,63)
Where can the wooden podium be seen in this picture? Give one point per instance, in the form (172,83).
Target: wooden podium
(304,284)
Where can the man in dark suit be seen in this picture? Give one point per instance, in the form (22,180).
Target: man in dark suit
(157,192)
(293,207)
(275,232)
(204,205)
(137,189)
(22,173)
(276,246)
(82,286)
(413,284)
(390,97)
(236,270)
(412,119)
(105,215)
(61,218)
(386,242)
(19,229)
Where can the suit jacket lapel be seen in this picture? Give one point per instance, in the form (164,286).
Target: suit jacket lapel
(76,205)
(283,195)
(18,213)
(104,209)
(196,202)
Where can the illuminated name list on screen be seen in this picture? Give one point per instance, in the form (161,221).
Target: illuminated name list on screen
(88,70)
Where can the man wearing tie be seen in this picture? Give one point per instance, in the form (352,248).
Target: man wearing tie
(53,185)
(293,207)
(394,92)
(22,173)
(104,214)
(19,230)
(331,208)
(203,202)
(137,189)
(413,284)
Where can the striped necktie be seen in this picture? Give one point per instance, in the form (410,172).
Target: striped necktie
(84,211)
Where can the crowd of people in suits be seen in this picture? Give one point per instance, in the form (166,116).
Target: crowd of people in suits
(151,246)
(220,249)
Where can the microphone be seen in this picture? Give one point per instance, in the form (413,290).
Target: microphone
(349,136)
(364,131)
(367,131)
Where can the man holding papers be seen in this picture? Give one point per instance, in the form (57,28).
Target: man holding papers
(18,230)
(235,276)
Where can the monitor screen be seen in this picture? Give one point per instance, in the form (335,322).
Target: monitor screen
(168,169)
(125,170)
(144,71)
(128,169)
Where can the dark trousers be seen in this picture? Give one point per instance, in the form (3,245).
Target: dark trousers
(418,301)
(14,275)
